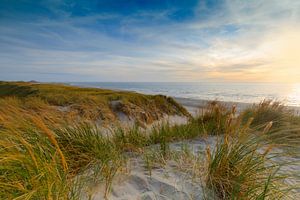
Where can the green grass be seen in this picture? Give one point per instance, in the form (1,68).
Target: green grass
(238,170)
(31,166)
(87,150)
(90,104)
(215,118)
(43,153)
(265,112)
(242,164)
(84,144)
(285,125)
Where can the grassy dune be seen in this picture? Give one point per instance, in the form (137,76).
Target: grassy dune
(90,104)
(44,153)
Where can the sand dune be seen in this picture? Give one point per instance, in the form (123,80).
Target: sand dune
(168,182)
(165,181)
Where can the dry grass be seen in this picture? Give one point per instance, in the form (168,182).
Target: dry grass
(285,125)
(265,112)
(242,164)
(215,117)
(42,151)
(32,165)
(89,104)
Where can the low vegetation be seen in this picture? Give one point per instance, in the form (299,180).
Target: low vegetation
(88,104)
(241,165)
(46,155)
(32,164)
(285,124)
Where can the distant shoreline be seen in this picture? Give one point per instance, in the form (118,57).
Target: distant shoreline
(195,105)
(227,92)
(192,105)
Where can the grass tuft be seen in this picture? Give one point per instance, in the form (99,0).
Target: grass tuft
(241,165)
(49,147)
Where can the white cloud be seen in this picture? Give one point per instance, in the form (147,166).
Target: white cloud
(235,42)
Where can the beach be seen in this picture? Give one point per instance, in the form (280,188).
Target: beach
(194,106)
(167,180)
(221,91)
(173,179)
(98,143)
(149,100)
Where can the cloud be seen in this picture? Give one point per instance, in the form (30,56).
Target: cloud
(231,40)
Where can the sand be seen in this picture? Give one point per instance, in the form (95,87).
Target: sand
(194,106)
(168,181)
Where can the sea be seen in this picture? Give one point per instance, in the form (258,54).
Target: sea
(289,94)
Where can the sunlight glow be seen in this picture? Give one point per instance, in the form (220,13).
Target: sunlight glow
(294,97)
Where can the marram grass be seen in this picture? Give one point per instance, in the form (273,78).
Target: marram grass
(42,156)
(88,104)
(32,165)
(244,163)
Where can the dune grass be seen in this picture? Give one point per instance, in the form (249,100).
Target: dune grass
(267,111)
(32,165)
(214,118)
(43,150)
(240,166)
(42,154)
(90,104)
(285,124)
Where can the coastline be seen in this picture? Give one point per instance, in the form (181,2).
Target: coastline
(193,106)
(143,163)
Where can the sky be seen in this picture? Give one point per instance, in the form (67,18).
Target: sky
(150,40)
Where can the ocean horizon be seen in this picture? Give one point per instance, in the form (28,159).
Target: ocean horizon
(289,94)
